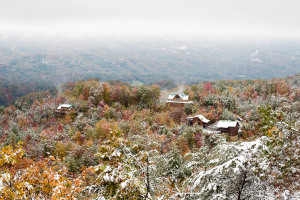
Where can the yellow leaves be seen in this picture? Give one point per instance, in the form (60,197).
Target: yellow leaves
(271,132)
(61,149)
(248,91)
(89,143)
(230,90)
(78,137)
(9,156)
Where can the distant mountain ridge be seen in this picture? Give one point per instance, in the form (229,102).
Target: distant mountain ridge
(50,63)
(146,61)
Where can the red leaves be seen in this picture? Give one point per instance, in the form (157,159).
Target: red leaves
(207,87)
(60,127)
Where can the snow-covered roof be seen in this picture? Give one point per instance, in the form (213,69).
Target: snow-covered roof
(201,117)
(226,124)
(179,102)
(69,106)
(182,96)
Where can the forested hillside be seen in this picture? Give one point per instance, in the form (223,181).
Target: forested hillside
(124,142)
(38,65)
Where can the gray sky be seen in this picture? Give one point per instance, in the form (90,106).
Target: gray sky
(263,18)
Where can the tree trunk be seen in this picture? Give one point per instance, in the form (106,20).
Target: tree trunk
(244,176)
(147,177)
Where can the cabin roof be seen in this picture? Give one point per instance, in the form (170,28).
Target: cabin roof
(201,117)
(226,124)
(184,102)
(69,106)
(181,95)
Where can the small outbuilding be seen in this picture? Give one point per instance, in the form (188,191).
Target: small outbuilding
(199,119)
(179,100)
(229,127)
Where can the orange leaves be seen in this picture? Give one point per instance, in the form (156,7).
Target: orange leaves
(52,158)
(271,132)
(68,119)
(37,180)
(249,114)
(102,129)
(282,88)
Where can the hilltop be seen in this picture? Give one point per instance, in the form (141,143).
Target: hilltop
(123,142)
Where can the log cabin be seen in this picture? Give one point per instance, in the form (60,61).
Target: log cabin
(199,119)
(229,127)
(178,100)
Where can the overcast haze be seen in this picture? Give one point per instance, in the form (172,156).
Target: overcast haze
(259,18)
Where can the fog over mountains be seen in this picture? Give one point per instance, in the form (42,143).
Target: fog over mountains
(145,59)
(45,44)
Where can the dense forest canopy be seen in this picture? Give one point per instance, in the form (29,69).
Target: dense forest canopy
(124,142)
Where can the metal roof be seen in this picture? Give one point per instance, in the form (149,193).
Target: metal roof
(182,96)
(69,106)
(226,124)
(201,117)
(170,101)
